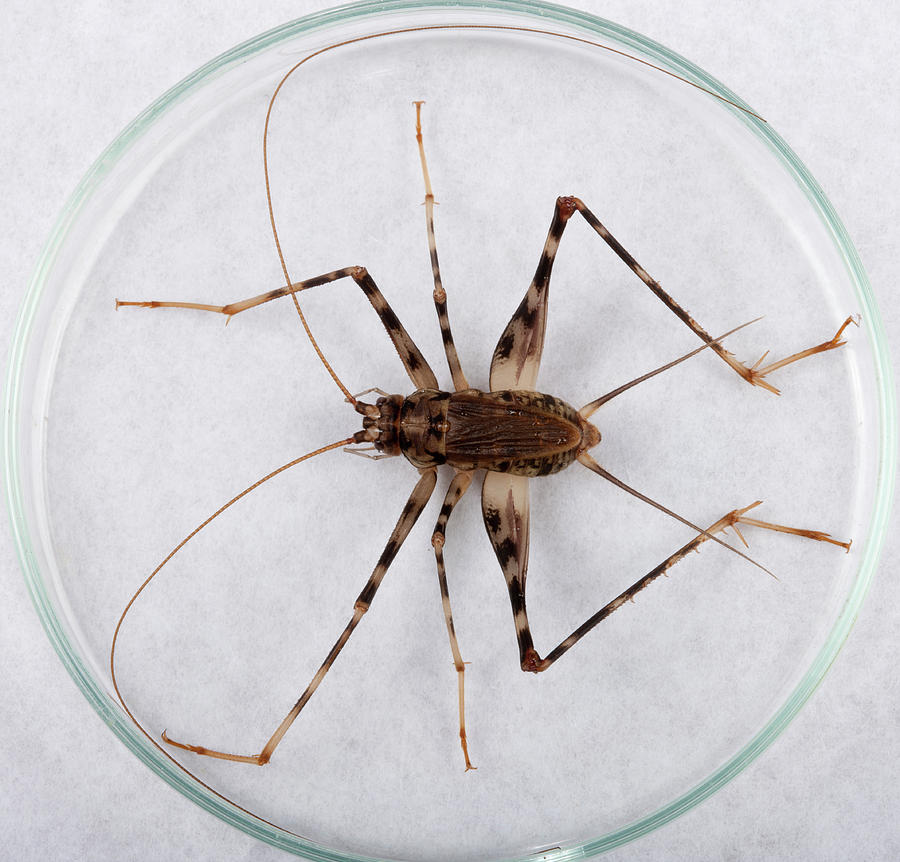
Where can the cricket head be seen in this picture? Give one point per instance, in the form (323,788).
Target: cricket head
(381,424)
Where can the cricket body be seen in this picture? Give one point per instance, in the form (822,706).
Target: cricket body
(512,434)
(518,432)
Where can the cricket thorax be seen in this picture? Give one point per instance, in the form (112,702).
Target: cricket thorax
(521,432)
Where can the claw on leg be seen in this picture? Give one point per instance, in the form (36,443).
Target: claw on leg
(738,516)
(256,759)
(756,375)
(462,720)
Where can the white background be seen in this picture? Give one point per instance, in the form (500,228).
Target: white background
(824,75)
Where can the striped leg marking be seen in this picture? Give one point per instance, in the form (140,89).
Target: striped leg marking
(458,487)
(440,295)
(732,519)
(413,361)
(411,511)
(506,506)
(517,356)
(752,374)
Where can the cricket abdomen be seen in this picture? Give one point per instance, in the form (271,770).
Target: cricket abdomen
(511,431)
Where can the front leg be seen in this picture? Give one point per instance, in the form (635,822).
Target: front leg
(417,501)
(414,362)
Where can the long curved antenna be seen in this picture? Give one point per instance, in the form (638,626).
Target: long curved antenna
(177,548)
(140,589)
(347,394)
(397,32)
(591,464)
(592,406)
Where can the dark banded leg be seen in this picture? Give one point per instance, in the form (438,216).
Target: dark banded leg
(411,511)
(458,487)
(440,295)
(537,664)
(752,374)
(413,361)
(506,509)
(517,356)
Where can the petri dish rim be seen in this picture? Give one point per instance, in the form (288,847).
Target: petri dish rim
(378,14)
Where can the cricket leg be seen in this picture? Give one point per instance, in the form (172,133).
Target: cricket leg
(413,361)
(411,511)
(440,295)
(517,356)
(458,487)
(757,373)
(752,374)
(732,519)
(505,506)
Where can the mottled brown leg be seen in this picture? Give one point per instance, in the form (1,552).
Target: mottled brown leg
(732,519)
(236,307)
(440,295)
(413,361)
(506,509)
(517,356)
(411,511)
(752,374)
(458,487)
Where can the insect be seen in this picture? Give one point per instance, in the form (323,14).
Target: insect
(510,435)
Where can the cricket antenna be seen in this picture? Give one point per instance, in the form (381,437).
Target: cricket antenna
(112,650)
(397,32)
(592,406)
(284,269)
(186,539)
(591,464)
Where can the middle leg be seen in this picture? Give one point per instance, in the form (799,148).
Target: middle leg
(458,487)
(439,294)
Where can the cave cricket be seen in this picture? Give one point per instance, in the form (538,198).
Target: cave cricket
(513,434)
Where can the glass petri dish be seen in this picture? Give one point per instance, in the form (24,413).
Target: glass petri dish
(127,429)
